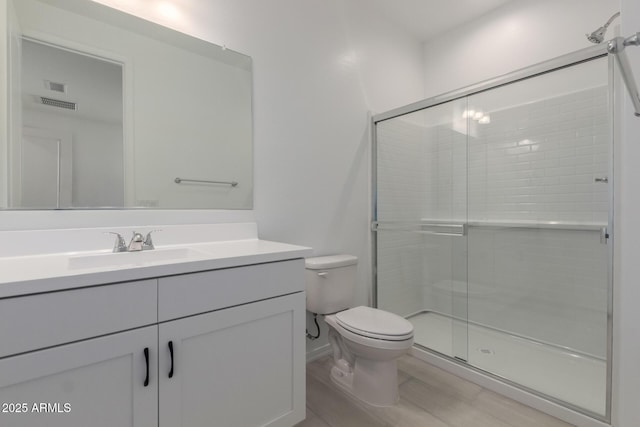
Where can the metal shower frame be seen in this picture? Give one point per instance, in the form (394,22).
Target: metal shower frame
(616,47)
(568,60)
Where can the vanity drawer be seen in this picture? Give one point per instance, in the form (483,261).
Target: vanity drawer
(188,294)
(43,320)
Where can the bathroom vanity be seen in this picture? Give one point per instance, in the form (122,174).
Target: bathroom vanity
(212,338)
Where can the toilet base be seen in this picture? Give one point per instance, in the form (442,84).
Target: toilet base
(373,382)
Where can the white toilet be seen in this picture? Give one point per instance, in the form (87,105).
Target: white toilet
(366,342)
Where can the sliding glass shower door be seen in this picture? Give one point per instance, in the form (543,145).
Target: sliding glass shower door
(492,230)
(421,224)
(538,206)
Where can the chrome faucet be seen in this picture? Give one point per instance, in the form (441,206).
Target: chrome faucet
(137,243)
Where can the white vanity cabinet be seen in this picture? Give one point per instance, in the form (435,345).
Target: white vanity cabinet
(234,367)
(84,357)
(222,347)
(98,382)
(239,366)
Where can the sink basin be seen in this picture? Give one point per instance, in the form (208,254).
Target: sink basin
(128,259)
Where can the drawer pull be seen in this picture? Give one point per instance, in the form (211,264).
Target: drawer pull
(171,353)
(146,360)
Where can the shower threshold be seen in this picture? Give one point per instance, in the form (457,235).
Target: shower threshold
(578,379)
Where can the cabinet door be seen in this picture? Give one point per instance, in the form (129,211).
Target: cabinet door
(97,383)
(237,367)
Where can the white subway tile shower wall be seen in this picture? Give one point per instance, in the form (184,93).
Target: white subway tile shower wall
(406,161)
(538,162)
(534,162)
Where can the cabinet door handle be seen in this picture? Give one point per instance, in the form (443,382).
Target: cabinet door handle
(171,353)
(146,360)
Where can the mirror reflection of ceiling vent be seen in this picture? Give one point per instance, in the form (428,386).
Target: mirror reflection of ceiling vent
(55,86)
(58,103)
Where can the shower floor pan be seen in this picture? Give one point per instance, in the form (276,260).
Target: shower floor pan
(574,378)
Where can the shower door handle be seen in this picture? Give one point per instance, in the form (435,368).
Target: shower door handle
(434,229)
(462,233)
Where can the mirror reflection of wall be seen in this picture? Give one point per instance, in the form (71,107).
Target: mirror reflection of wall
(65,92)
(162,105)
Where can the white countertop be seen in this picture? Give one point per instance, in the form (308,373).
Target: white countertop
(23,275)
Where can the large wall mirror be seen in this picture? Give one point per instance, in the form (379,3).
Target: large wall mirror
(111,111)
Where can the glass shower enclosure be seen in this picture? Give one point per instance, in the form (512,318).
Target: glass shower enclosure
(492,222)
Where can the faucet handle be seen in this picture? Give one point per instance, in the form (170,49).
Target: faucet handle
(120,245)
(148,242)
(136,243)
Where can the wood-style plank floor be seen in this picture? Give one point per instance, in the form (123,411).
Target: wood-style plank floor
(429,397)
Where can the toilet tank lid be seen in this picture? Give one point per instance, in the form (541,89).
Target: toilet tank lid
(331,261)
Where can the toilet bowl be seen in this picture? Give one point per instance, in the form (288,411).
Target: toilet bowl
(365,363)
(366,342)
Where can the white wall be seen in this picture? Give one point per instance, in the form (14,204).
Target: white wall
(312,153)
(627,270)
(514,36)
(97,178)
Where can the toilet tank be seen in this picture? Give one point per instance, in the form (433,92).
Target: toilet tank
(330,282)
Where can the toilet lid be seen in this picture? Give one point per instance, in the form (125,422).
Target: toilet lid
(375,323)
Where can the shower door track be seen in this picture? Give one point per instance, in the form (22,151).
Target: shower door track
(564,61)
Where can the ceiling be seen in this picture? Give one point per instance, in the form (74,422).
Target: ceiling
(426,19)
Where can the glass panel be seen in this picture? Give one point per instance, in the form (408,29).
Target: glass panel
(158,119)
(421,211)
(538,199)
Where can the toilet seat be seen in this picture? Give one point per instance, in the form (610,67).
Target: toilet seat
(381,344)
(373,323)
